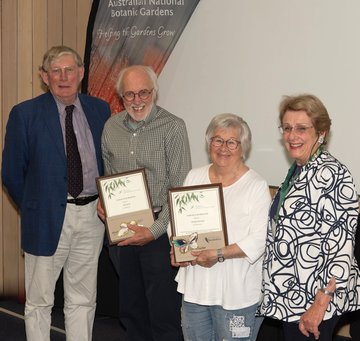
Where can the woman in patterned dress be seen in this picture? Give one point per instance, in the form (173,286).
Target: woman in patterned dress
(310,274)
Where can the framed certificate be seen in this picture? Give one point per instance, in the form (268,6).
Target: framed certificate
(126,200)
(197,219)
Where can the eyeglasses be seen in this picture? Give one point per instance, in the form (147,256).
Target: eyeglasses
(68,70)
(298,130)
(232,144)
(143,94)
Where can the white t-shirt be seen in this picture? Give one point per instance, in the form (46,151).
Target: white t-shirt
(235,283)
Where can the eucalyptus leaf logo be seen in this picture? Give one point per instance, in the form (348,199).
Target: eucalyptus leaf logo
(184,200)
(112,185)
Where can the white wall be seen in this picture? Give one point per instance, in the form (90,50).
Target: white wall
(241,56)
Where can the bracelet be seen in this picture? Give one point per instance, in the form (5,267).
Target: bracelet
(326,292)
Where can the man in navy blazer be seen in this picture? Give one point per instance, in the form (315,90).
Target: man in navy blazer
(58,231)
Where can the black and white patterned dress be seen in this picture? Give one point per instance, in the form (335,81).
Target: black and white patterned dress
(311,241)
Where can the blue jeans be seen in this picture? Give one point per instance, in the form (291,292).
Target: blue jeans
(214,323)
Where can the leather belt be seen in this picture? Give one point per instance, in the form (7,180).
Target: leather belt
(81,201)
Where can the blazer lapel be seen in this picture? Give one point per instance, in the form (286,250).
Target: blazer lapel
(53,123)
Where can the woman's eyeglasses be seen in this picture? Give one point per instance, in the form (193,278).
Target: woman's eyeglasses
(298,130)
(232,144)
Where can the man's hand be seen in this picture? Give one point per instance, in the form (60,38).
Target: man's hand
(141,237)
(100,211)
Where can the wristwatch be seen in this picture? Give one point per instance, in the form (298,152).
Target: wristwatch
(220,255)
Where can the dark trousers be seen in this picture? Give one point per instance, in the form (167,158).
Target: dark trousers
(326,328)
(354,320)
(149,305)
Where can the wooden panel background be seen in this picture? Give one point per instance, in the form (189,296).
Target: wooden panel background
(28,29)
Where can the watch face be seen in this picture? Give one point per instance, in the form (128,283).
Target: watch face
(220,256)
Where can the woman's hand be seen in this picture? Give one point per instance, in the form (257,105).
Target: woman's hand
(311,319)
(206,258)
(174,262)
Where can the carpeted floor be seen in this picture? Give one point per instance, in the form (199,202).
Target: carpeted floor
(12,327)
(107,328)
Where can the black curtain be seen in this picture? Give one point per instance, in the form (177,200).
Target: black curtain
(88,43)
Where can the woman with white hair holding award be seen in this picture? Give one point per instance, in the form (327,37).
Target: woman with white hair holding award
(221,287)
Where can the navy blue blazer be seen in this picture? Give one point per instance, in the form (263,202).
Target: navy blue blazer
(34,166)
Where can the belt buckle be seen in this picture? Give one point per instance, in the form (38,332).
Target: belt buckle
(81,201)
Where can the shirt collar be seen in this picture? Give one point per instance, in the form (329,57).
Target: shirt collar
(61,106)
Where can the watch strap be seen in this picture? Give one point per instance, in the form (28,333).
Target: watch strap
(327,292)
(220,255)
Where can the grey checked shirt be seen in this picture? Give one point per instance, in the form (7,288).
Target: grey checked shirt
(159,144)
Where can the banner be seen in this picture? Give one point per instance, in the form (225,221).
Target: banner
(127,32)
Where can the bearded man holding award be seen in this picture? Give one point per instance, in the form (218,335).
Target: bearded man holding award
(146,136)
